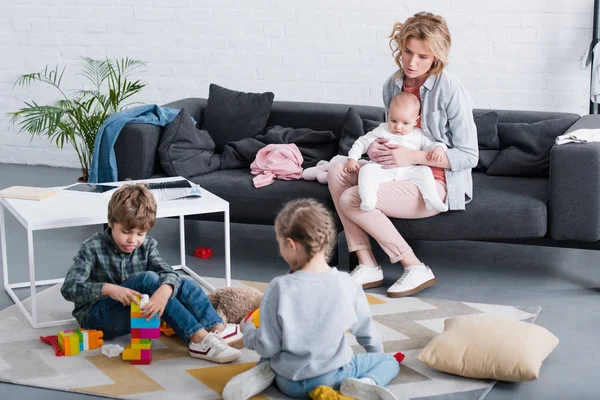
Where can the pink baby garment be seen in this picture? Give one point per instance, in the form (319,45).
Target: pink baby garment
(282,161)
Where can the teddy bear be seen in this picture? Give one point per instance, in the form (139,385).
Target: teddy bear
(234,302)
(318,172)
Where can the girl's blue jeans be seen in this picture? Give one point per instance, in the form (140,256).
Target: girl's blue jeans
(187,313)
(380,367)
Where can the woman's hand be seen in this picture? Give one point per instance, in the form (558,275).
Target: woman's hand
(390,155)
(158,302)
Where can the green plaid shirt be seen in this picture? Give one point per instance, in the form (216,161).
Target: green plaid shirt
(100,261)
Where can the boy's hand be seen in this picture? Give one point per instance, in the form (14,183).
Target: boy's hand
(120,293)
(158,302)
(436,154)
(351,166)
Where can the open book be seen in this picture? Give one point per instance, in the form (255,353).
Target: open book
(174,190)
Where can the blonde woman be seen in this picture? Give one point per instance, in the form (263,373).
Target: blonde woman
(420,47)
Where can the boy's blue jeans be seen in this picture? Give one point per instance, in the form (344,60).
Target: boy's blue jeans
(187,312)
(380,367)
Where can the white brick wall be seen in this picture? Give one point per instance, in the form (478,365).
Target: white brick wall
(510,54)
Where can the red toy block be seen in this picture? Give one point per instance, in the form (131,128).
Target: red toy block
(203,252)
(141,362)
(136,333)
(52,341)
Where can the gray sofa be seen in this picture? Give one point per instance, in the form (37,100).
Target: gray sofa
(559,208)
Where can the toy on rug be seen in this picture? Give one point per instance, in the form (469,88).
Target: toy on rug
(255,316)
(112,350)
(203,252)
(166,329)
(72,342)
(318,172)
(234,302)
(327,393)
(139,351)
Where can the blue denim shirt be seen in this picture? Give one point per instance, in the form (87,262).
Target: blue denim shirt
(447,115)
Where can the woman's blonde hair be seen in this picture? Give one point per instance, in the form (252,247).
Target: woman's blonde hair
(132,206)
(430,28)
(310,224)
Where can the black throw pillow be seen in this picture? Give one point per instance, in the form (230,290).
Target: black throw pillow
(353,128)
(487,130)
(525,148)
(186,151)
(231,115)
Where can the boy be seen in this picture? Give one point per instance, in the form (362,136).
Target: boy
(115,266)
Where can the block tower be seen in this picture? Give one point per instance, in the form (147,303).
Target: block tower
(139,351)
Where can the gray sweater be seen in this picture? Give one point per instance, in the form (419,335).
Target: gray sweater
(303,322)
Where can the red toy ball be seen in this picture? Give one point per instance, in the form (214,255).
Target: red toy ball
(203,252)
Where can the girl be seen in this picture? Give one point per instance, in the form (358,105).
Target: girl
(304,317)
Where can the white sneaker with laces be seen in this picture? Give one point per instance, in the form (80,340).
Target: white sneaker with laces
(414,279)
(249,383)
(363,389)
(232,335)
(213,348)
(368,277)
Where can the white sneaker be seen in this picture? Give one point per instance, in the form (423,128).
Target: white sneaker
(232,335)
(368,277)
(249,383)
(214,349)
(414,279)
(360,389)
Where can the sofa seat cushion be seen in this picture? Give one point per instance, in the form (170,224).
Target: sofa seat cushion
(502,208)
(248,204)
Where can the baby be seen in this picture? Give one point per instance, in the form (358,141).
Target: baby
(400,129)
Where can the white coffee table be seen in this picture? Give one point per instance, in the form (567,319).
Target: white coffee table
(68,209)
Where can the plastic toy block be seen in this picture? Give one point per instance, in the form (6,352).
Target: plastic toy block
(136,340)
(146,341)
(146,355)
(61,342)
(86,340)
(141,323)
(144,300)
(136,333)
(131,354)
(166,329)
(80,340)
(141,362)
(135,308)
(149,333)
(95,338)
(141,346)
(73,343)
(136,314)
(112,350)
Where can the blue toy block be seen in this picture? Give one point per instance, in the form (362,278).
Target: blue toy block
(141,323)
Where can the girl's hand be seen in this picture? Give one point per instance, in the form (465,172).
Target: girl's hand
(158,302)
(120,293)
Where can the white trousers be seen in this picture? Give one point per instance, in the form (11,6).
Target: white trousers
(371,175)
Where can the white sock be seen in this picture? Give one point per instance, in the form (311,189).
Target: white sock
(367,380)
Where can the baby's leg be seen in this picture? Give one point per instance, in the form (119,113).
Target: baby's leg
(370,176)
(422,177)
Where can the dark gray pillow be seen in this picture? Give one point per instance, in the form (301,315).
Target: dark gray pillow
(353,128)
(487,130)
(525,148)
(231,115)
(186,151)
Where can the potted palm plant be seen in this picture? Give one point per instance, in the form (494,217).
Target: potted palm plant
(75,119)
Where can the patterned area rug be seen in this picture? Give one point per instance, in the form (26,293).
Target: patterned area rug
(406,325)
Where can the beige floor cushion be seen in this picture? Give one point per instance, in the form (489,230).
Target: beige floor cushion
(487,347)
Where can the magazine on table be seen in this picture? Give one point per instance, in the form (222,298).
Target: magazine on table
(173,190)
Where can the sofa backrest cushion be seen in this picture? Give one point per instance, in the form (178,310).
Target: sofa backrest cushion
(231,115)
(353,128)
(186,151)
(525,148)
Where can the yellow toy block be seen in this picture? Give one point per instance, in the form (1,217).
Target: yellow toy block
(135,308)
(141,346)
(73,343)
(131,354)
